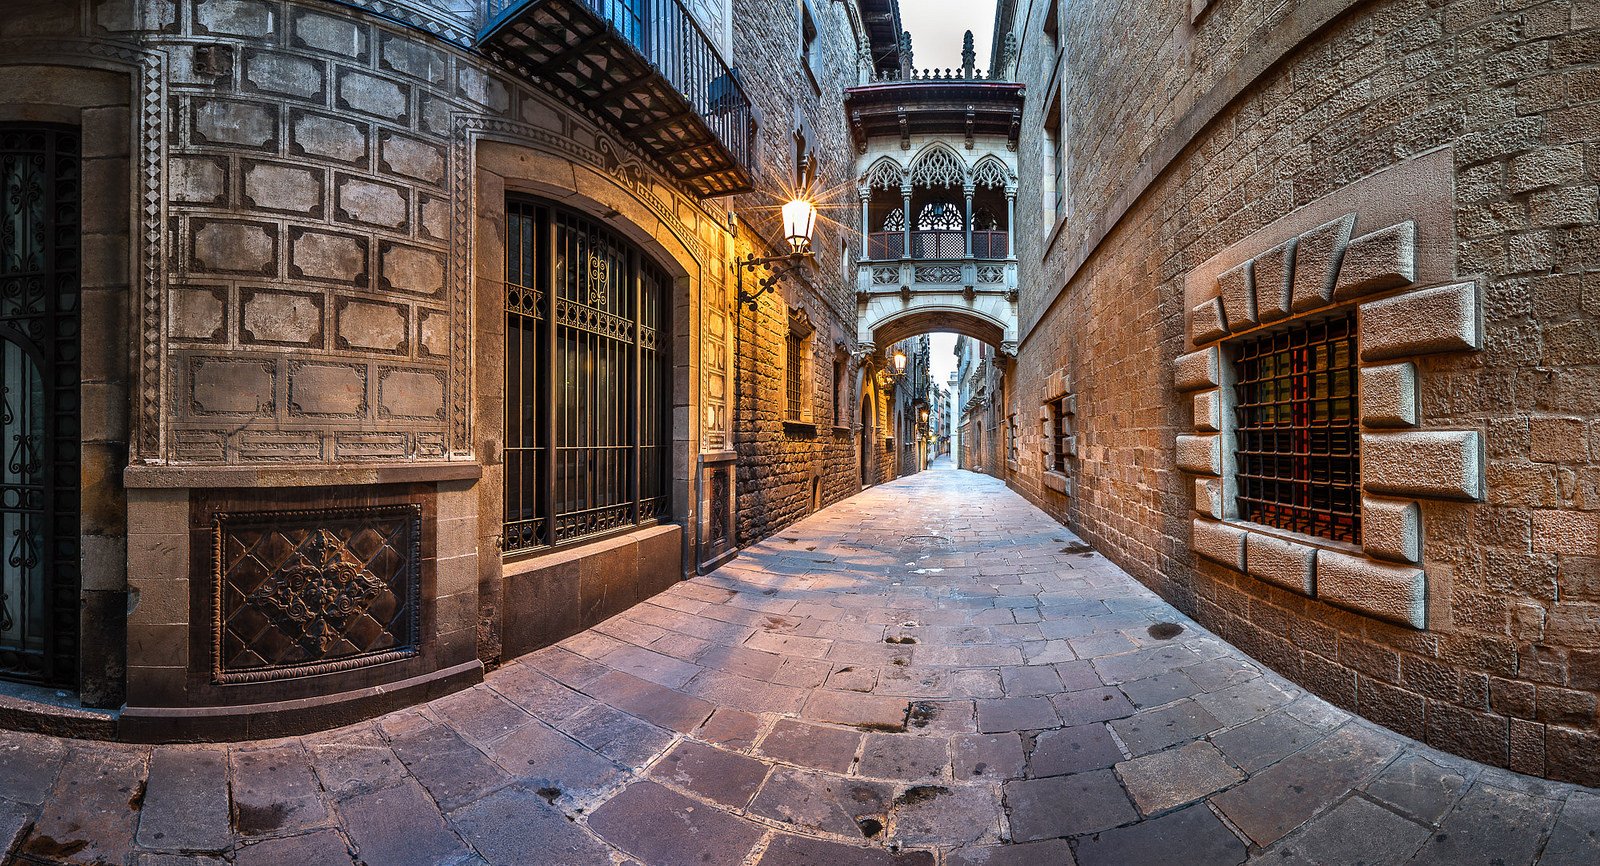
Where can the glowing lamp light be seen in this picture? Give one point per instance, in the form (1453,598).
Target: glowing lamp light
(799,218)
(897,361)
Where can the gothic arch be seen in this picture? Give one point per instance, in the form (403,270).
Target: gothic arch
(938,165)
(886,173)
(977,324)
(991,172)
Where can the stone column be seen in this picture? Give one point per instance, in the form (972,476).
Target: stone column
(966,191)
(905,208)
(866,228)
(1011,222)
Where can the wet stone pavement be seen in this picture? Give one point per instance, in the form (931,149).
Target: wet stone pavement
(932,672)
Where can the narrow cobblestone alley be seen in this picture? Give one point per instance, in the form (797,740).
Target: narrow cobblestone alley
(930,672)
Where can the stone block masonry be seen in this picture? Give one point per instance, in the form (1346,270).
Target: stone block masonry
(1391,156)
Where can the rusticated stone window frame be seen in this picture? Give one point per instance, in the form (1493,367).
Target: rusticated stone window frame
(1318,272)
(1058,439)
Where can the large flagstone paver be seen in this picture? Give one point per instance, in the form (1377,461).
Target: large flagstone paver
(932,672)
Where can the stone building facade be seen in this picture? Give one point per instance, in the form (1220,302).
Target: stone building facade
(1406,187)
(333,263)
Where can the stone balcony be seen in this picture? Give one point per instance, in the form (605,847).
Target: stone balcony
(903,294)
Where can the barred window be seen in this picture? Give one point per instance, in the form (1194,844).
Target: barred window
(1298,431)
(795,392)
(586,396)
(1061,434)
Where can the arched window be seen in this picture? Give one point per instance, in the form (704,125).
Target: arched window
(586,388)
(895,221)
(941,216)
(984,220)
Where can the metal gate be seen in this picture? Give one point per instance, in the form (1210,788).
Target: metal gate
(39,275)
(586,389)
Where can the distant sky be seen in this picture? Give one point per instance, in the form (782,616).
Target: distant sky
(936,27)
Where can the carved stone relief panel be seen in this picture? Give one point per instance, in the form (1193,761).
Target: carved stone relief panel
(301,593)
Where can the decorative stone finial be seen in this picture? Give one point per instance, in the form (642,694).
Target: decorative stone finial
(969,57)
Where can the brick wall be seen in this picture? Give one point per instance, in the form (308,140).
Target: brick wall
(1509,667)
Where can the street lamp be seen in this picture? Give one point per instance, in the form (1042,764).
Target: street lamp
(895,368)
(799,219)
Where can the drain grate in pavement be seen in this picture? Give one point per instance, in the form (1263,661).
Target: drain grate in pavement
(1165,630)
(899,638)
(928,539)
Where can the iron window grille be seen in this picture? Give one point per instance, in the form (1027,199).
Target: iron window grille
(1060,435)
(1298,431)
(40,239)
(795,346)
(585,385)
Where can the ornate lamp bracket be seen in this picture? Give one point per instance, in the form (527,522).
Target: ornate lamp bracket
(781,267)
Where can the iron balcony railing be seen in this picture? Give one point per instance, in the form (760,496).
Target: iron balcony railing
(667,35)
(937,244)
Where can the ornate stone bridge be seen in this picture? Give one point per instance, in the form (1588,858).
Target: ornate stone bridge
(937,179)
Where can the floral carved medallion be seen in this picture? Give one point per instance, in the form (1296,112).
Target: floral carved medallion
(300,593)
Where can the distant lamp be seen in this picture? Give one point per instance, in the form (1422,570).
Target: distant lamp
(923,415)
(898,362)
(799,219)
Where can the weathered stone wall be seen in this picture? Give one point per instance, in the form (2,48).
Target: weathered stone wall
(1186,138)
(316,312)
(785,470)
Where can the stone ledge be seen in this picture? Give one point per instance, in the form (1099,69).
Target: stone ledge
(1201,454)
(1391,529)
(43,710)
(1282,563)
(1443,464)
(1389,395)
(1058,482)
(1208,411)
(1393,593)
(291,717)
(1208,499)
(313,475)
(1218,542)
(1196,370)
(1440,319)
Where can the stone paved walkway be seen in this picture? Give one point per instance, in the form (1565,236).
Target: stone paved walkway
(932,672)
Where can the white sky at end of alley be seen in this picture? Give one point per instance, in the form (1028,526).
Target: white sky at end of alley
(936,28)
